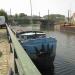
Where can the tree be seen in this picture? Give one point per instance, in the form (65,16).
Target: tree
(3,13)
(22,15)
(16,16)
(56,18)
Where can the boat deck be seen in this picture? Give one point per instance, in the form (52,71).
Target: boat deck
(5,49)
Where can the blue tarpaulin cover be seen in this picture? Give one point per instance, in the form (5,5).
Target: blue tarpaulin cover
(31,44)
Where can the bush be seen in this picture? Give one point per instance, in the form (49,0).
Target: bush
(0,54)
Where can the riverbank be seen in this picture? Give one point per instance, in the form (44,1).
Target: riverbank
(69,28)
(4,48)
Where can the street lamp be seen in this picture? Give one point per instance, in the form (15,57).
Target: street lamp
(31,14)
(31,7)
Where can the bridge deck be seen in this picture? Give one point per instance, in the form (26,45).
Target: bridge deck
(4,48)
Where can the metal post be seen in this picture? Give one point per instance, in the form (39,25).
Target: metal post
(31,14)
(68,16)
(31,7)
(10,11)
(48,14)
(39,15)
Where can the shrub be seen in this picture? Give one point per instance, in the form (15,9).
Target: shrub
(0,54)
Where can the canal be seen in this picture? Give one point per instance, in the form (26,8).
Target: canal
(64,63)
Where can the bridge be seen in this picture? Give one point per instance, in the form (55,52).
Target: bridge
(19,63)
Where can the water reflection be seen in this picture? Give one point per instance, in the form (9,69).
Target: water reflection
(65,52)
(46,70)
(47,28)
(49,71)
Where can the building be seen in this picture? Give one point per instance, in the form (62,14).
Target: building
(73,18)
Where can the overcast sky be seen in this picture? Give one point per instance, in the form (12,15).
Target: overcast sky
(42,6)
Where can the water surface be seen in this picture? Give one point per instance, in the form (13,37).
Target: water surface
(64,63)
(65,52)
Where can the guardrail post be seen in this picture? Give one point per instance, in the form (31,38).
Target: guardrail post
(15,67)
(10,48)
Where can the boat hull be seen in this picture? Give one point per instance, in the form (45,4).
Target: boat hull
(41,51)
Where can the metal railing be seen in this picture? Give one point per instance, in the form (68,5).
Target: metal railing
(22,64)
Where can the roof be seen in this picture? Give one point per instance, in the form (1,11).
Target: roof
(28,33)
(33,33)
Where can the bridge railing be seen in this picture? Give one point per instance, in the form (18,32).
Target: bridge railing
(22,64)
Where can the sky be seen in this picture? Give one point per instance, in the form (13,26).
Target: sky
(42,6)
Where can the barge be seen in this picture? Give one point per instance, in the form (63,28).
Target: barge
(41,49)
